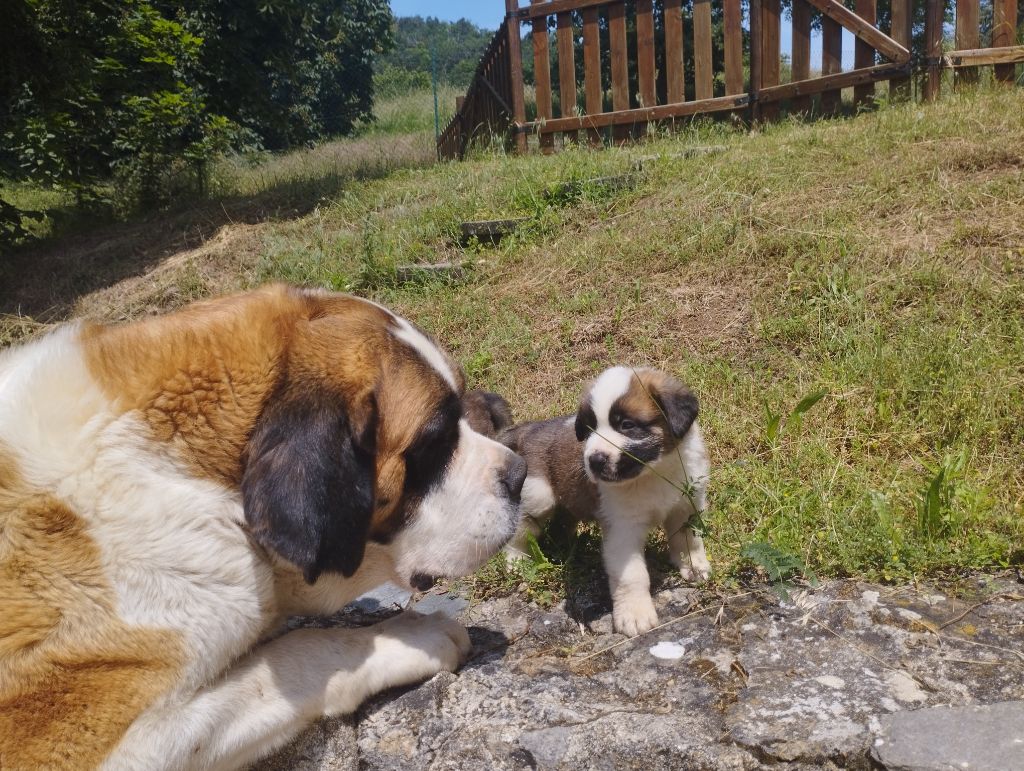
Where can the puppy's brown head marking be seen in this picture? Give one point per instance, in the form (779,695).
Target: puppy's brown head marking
(630,418)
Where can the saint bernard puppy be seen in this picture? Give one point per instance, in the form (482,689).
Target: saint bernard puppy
(632,458)
(172,489)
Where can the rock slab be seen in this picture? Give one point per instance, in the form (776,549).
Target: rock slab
(980,738)
(814,681)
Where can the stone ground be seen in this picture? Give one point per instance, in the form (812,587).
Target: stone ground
(842,675)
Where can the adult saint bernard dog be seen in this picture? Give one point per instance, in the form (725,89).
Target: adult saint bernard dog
(172,489)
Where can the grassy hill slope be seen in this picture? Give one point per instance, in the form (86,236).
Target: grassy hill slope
(878,259)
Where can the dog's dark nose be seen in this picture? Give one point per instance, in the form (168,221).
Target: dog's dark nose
(598,462)
(512,478)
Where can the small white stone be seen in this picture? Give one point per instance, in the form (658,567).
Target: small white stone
(831,682)
(910,615)
(668,650)
(879,742)
(869,598)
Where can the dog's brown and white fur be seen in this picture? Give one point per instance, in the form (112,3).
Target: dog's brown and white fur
(172,489)
(625,459)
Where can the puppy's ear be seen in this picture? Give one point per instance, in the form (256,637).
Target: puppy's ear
(679,405)
(308,484)
(501,411)
(487,413)
(586,420)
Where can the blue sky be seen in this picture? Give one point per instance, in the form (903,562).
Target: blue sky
(489,13)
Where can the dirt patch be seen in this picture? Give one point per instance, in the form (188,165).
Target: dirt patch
(712,316)
(218,265)
(975,159)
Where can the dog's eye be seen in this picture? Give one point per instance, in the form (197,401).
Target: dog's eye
(626,425)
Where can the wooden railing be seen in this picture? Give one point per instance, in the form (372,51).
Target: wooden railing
(487,110)
(683,65)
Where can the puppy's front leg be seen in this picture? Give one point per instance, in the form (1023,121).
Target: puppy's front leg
(275,692)
(686,548)
(623,549)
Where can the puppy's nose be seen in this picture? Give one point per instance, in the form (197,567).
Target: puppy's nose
(513,476)
(598,462)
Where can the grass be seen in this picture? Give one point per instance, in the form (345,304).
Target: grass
(879,260)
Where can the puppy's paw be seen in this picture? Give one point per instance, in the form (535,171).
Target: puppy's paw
(513,555)
(697,572)
(434,642)
(634,615)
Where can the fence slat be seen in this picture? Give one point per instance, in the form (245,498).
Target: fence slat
(864,53)
(1004,30)
(832,82)
(620,68)
(703,75)
(831,61)
(733,32)
(542,76)
(801,61)
(933,48)
(863,29)
(968,35)
(566,68)
(902,19)
(646,114)
(592,68)
(675,86)
(771,13)
(645,52)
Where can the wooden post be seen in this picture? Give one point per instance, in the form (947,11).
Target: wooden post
(675,84)
(645,52)
(461,140)
(968,36)
(1004,30)
(703,75)
(770,52)
(733,33)
(755,60)
(566,69)
(831,62)
(592,69)
(902,18)
(515,57)
(801,50)
(864,54)
(620,65)
(933,48)
(542,77)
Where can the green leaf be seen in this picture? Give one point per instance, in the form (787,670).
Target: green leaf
(809,401)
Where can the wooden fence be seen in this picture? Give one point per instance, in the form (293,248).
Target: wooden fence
(623,90)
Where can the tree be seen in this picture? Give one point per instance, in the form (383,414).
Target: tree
(456,45)
(138,91)
(289,71)
(97,87)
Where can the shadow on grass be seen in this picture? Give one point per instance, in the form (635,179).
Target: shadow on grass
(46,279)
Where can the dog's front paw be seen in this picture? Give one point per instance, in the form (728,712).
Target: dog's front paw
(697,572)
(634,615)
(433,643)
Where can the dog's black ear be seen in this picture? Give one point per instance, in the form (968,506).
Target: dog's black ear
(308,483)
(679,405)
(586,420)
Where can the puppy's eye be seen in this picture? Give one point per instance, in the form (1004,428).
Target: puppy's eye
(626,425)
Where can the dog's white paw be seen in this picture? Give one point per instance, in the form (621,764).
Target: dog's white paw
(434,642)
(634,615)
(514,555)
(697,573)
